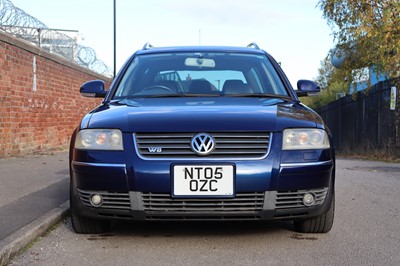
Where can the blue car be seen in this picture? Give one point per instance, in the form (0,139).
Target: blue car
(201,134)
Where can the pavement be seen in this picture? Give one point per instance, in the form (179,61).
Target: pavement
(34,196)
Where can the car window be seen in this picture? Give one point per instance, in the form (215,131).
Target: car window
(199,74)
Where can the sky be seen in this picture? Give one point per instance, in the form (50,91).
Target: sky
(292,31)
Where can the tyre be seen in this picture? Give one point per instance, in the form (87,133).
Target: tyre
(319,224)
(85,225)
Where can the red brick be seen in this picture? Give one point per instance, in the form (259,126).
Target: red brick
(38,121)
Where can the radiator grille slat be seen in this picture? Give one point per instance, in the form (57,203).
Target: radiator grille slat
(243,205)
(247,145)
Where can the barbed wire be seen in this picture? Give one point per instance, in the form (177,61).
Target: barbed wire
(18,23)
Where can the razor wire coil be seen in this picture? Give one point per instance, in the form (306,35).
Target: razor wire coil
(18,23)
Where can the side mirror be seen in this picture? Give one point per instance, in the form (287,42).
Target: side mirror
(94,89)
(307,88)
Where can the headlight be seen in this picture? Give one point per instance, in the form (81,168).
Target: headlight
(99,139)
(305,139)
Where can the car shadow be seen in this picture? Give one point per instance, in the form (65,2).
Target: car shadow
(195,228)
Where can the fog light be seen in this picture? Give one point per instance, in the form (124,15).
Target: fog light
(96,200)
(308,199)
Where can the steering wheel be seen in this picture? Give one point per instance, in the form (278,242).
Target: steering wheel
(158,87)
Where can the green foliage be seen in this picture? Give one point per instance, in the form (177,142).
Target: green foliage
(367,33)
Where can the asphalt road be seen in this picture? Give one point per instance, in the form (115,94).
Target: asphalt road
(366,231)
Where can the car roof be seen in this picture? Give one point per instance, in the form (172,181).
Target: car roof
(200,49)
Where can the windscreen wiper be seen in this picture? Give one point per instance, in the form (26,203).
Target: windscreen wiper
(201,95)
(124,101)
(257,95)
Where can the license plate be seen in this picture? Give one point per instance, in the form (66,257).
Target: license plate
(203,180)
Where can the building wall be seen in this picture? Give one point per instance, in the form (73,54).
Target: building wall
(39,108)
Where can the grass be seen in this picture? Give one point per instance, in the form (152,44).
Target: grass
(5,259)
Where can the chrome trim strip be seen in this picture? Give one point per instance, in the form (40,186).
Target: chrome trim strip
(116,165)
(289,165)
(204,158)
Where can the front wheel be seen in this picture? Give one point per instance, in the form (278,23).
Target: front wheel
(319,224)
(85,225)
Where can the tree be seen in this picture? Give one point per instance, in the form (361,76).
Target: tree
(367,33)
(331,81)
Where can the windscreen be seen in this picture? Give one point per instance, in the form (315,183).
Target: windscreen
(200,74)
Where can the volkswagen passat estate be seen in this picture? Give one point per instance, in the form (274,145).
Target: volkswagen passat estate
(201,133)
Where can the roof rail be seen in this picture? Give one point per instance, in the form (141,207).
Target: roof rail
(147,46)
(253,45)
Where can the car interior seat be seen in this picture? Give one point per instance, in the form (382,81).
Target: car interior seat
(236,86)
(200,86)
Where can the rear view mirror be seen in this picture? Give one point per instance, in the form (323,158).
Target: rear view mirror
(199,62)
(94,89)
(307,88)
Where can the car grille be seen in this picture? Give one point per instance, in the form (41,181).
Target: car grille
(110,200)
(246,145)
(244,206)
(294,199)
(162,206)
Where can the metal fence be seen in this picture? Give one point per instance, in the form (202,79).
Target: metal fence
(363,122)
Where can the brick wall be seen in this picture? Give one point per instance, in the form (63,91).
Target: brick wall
(38,117)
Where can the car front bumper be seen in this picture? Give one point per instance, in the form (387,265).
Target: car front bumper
(269,193)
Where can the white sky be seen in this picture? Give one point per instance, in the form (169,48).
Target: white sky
(292,31)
